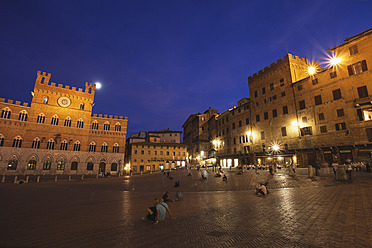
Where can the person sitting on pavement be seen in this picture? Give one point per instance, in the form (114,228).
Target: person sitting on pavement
(224,178)
(179,196)
(177,184)
(261,190)
(161,210)
(151,211)
(165,197)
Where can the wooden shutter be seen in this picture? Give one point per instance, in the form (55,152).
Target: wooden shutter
(364,65)
(350,69)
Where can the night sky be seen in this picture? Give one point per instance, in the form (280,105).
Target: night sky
(161,61)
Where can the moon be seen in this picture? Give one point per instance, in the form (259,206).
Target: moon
(98,85)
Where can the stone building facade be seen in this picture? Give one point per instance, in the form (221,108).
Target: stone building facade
(155,150)
(295,114)
(198,134)
(57,133)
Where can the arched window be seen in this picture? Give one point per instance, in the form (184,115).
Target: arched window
(5,113)
(80,123)
(47,164)
(63,145)
(114,167)
(117,127)
(17,142)
(106,126)
(36,143)
(92,147)
(77,146)
(61,165)
(31,165)
(74,165)
(90,166)
(54,120)
(45,100)
(2,140)
(67,122)
(50,144)
(95,125)
(115,148)
(40,118)
(82,106)
(104,147)
(12,164)
(22,116)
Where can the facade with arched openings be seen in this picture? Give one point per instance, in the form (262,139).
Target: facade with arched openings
(58,134)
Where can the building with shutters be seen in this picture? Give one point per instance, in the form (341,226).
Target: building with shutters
(301,112)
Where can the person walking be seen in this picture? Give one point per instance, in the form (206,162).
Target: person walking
(349,170)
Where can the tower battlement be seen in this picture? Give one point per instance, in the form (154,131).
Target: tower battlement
(43,78)
(288,58)
(25,104)
(109,117)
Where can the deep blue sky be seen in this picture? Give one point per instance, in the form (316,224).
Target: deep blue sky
(160,61)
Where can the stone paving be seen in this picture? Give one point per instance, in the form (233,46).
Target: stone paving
(106,212)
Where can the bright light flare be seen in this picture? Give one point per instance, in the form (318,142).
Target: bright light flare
(311,70)
(335,61)
(98,85)
(276,147)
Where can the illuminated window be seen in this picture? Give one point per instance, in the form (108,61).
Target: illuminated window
(47,164)
(31,165)
(61,165)
(12,164)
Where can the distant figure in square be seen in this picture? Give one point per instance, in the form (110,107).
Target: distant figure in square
(261,190)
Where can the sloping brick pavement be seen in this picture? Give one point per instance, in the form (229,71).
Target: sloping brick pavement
(106,212)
